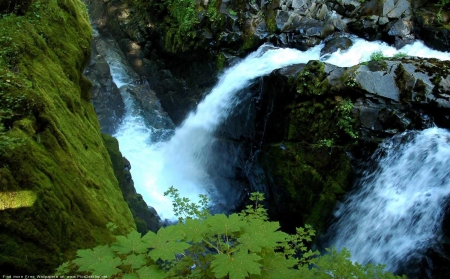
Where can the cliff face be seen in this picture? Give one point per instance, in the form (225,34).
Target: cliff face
(57,186)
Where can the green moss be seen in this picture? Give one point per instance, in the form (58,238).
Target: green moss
(271,21)
(220,61)
(311,178)
(308,175)
(377,65)
(250,41)
(62,159)
(313,79)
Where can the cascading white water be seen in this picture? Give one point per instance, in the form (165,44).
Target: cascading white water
(395,212)
(181,162)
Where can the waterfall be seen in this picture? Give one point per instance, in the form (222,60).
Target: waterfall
(395,212)
(160,160)
(183,161)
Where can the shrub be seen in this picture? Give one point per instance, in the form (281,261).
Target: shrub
(243,245)
(377,56)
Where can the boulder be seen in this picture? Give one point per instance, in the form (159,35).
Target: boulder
(400,8)
(287,21)
(335,42)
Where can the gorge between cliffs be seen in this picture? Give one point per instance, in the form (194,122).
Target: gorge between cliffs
(337,111)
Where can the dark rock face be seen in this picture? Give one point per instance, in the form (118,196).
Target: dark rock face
(145,217)
(105,95)
(431,30)
(19,7)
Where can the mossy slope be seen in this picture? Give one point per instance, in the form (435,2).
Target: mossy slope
(50,142)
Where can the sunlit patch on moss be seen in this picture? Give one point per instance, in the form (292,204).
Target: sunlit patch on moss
(17,199)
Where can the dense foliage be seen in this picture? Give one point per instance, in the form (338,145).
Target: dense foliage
(201,245)
(179,19)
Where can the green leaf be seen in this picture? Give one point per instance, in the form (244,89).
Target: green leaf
(100,261)
(220,224)
(238,265)
(130,276)
(136,261)
(276,266)
(131,243)
(107,267)
(194,229)
(152,272)
(111,226)
(63,269)
(166,243)
(261,234)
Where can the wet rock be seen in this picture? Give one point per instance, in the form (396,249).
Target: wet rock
(261,31)
(304,43)
(321,13)
(402,31)
(383,20)
(287,21)
(368,112)
(297,4)
(231,22)
(366,28)
(351,8)
(230,39)
(310,27)
(377,83)
(388,6)
(435,37)
(338,22)
(401,8)
(105,95)
(145,217)
(418,3)
(337,41)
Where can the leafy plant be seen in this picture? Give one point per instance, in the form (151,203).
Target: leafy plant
(179,19)
(184,13)
(345,120)
(441,4)
(244,245)
(377,56)
(232,12)
(325,142)
(400,55)
(184,208)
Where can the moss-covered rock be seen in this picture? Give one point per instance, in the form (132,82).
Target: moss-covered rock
(313,79)
(55,152)
(306,182)
(306,164)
